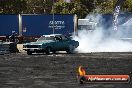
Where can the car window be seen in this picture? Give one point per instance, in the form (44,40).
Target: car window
(58,38)
(64,38)
(42,38)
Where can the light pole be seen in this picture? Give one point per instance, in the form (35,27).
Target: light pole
(20,24)
(53,18)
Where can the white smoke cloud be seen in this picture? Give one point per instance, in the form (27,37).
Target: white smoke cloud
(99,41)
(128,23)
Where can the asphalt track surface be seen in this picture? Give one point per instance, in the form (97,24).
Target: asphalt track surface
(60,70)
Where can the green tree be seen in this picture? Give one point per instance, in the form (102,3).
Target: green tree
(74,7)
(90,4)
(79,7)
(127,6)
(12,6)
(105,7)
(39,6)
(108,6)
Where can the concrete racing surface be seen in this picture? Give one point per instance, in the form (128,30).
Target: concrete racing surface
(60,70)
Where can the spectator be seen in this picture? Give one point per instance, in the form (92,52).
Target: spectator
(13,35)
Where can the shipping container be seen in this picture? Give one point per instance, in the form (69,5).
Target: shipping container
(37,25)
(29,26)
(34,25)
(8,24)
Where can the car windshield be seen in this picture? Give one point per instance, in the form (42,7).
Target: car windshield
(43,38)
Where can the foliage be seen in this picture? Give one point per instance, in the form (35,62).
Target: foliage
(127,6)
(90,4)
(39,6)
(70,8)
(79,7)
(106,6)
(12,6)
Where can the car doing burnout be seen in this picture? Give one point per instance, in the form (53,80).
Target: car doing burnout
(51,43)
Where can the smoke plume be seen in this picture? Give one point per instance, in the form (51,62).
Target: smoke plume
(103,39)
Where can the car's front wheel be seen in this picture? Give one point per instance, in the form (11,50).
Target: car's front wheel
(48,50)
(54,52)
(29,52)
(70,49)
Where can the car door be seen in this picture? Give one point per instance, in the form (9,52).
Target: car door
(65,42)
(58,43)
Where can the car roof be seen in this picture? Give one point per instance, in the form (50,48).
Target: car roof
(52,35)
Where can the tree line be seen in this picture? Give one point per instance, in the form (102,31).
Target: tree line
(79,7)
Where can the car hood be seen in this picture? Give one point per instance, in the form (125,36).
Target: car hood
(40,42)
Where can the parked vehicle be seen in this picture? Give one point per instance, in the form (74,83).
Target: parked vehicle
(51,43)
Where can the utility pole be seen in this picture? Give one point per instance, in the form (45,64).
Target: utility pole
(20,24)
(53,18)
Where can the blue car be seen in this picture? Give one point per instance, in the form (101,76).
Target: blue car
(51,43)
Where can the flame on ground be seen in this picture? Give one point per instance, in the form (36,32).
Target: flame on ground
(81,71)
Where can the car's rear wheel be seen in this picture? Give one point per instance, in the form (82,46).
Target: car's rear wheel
(48,50)
(29,52)
(70,49)
(54,52)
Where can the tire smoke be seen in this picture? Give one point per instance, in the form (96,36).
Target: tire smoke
(103,39)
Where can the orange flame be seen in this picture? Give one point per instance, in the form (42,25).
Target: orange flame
(81,71)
